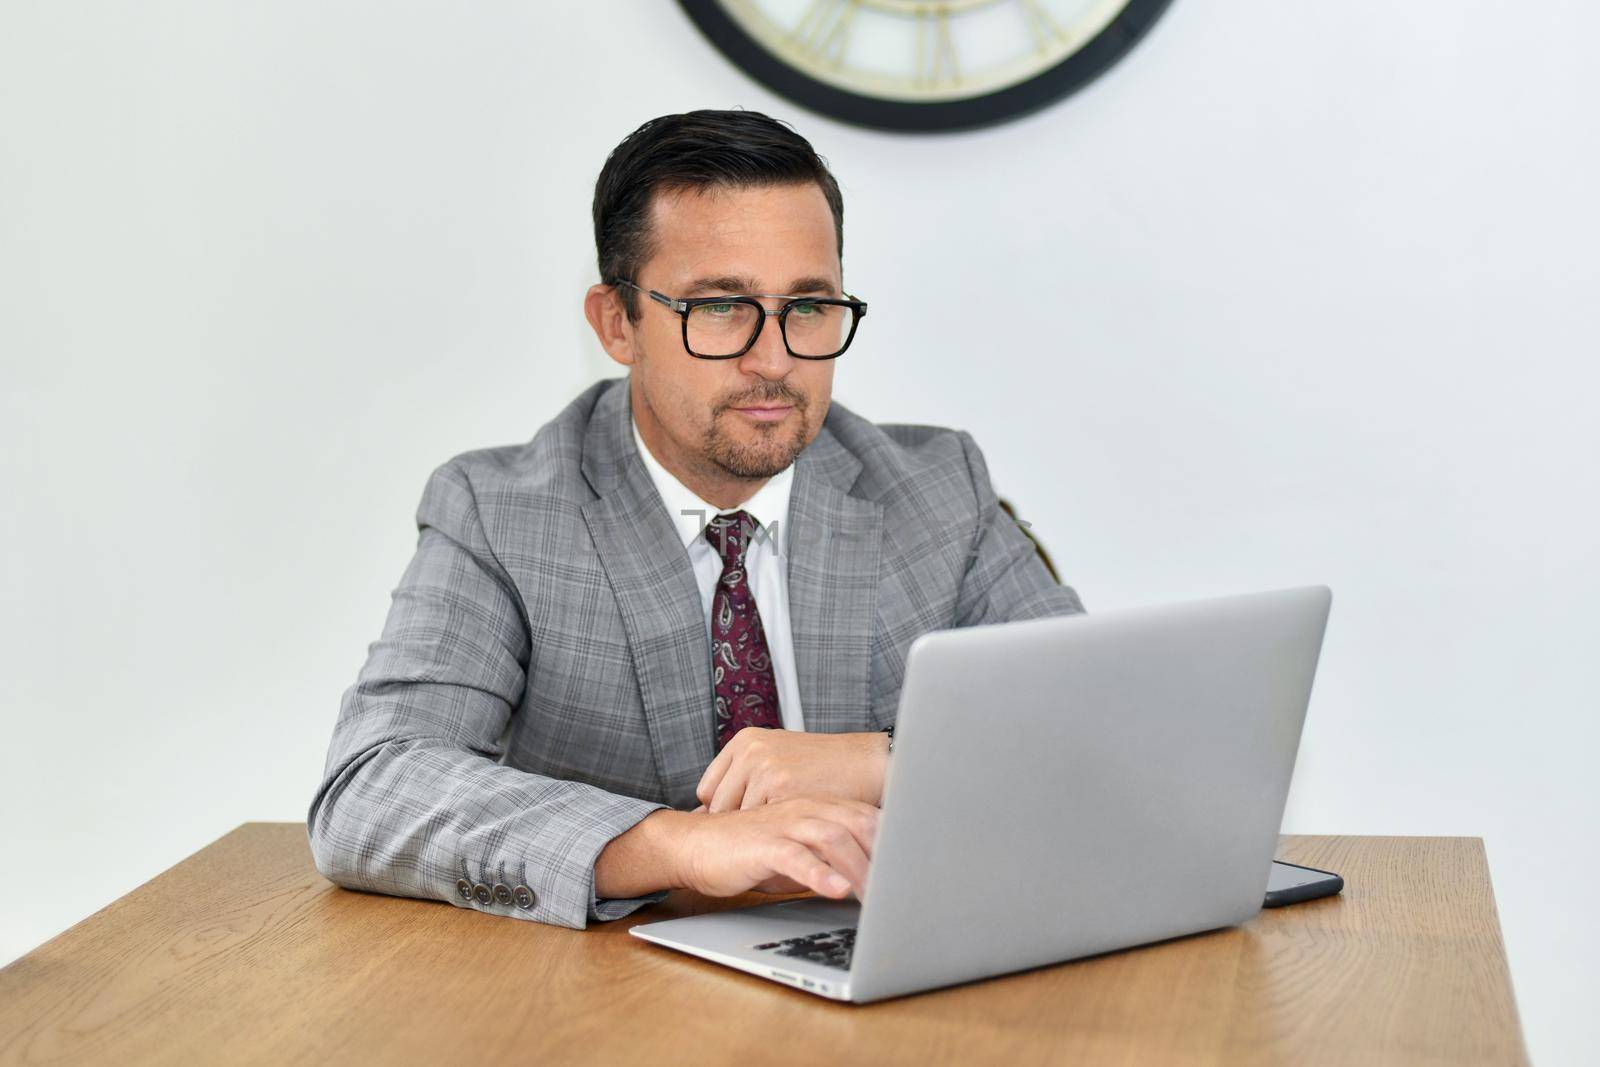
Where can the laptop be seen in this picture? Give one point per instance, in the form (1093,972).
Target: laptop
(1060,787)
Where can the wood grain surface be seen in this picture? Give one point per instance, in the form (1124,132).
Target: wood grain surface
(244,954)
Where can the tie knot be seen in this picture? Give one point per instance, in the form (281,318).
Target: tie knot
(730,535)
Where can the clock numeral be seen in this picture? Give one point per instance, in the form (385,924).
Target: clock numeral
(936,51)
(823,32)
(1044,29)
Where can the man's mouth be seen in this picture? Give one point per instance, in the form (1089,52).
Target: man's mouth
(766,412)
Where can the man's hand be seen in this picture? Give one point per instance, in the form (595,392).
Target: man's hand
(760,766)
(819,843)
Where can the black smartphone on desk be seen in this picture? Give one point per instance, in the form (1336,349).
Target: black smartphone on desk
(1290,883)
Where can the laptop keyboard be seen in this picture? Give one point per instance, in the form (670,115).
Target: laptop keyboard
(831,948)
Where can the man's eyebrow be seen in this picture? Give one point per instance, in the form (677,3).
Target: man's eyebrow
(812,285)
(732,283)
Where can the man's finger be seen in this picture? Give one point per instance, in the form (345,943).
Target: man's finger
(713,775)
(837,845)
(730,791)
(857,816)
(754,797)
(708,786)
(809,869)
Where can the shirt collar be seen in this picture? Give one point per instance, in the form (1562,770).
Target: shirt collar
(769,505)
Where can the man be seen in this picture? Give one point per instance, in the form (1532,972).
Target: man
(661,644)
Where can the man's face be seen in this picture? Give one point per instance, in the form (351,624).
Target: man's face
(722,240)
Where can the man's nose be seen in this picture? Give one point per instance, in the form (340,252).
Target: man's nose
(769,357)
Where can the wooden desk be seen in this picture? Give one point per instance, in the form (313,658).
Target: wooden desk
(243,953)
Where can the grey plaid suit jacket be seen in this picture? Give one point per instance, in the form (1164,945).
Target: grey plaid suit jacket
(543,680)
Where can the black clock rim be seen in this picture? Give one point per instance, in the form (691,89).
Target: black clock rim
(945,116)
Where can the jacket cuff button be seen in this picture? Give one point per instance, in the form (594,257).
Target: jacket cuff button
(464,889)
(524,897)
(502,893)
(483,893)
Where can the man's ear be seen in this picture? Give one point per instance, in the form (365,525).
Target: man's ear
(602,306)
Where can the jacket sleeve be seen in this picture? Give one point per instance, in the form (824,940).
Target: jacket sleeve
(414,801)
(1006,580)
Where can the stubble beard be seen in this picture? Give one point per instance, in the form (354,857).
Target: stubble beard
(773,448)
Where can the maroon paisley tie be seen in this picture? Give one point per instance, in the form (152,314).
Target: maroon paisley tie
(741,666)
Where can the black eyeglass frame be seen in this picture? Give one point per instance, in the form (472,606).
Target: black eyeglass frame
(683,307)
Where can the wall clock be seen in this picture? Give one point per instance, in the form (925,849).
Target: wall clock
(923,65)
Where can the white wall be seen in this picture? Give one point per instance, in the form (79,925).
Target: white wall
(1295,294)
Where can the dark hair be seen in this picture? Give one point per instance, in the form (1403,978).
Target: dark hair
(695,150)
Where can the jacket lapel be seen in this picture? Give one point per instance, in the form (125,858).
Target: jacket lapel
(832,548)
(658,597)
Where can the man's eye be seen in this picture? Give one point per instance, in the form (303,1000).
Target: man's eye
(804,310)
(718,309)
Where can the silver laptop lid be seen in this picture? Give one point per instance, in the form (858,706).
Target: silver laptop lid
(1075,784)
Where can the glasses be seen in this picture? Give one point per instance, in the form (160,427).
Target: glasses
(725,327)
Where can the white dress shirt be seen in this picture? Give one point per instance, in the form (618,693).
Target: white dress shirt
(766,566)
